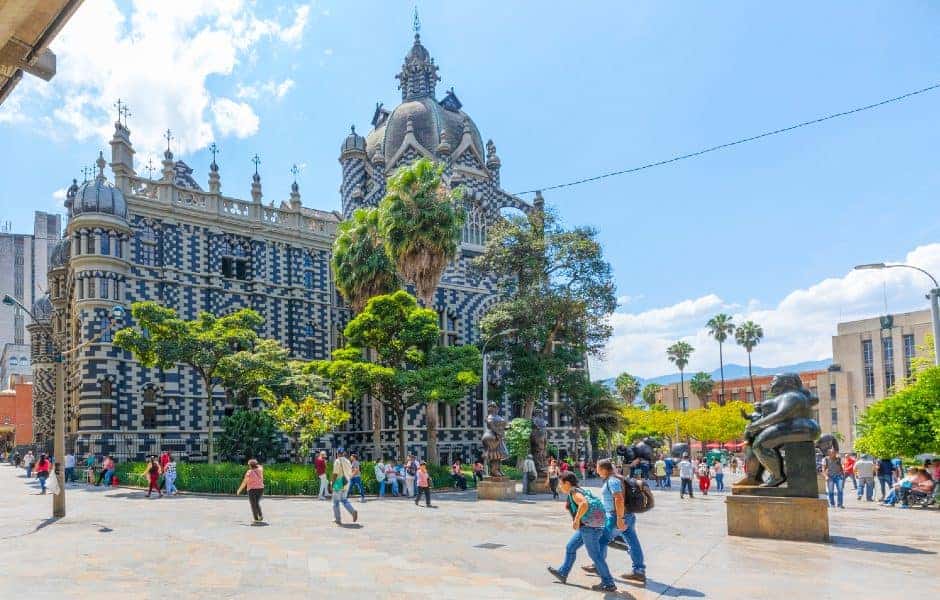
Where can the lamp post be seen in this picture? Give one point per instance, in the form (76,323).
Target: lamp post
(933,296)
(117,315)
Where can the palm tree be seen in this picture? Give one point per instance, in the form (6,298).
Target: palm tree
(361,267)
(421,222)
(649,393)
(748,335)
(628,387)
(702,386)
(678,354)
(720,327)
(591,405)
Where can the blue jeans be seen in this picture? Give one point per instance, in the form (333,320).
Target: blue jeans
(594,539)
(392,484)
(834,488)
(42,482)
(686,485)
(629,536)
(720,482)
(357,482)
(340,497)
(69,474)
(866,485)
(667,480)
(885,481)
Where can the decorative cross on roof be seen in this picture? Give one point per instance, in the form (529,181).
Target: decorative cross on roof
(416,24)
(120,110)
(125,110)
(257,160)
(168,136)
(150,168)
(86,171)
(294,170)
(214,150)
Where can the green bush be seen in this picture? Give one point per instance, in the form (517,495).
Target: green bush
(281,479)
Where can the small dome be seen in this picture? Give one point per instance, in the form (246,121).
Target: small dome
(42,308)
(60,253)
(99,196)
(353,142)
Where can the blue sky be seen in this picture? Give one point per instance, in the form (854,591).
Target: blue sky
(767,230)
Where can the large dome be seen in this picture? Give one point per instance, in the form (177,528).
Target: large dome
(60,253)
(428,119)
(98,196)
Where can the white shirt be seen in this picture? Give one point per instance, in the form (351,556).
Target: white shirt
(528,466)
(685,469)
(69,461)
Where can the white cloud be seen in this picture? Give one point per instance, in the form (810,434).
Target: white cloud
(798,328)
(271,88)
(236,118)
(328,52)
(158,57)
(59,194)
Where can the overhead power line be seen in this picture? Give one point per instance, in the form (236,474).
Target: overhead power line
(667,161)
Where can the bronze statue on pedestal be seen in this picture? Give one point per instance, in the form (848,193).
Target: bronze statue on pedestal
(494,441)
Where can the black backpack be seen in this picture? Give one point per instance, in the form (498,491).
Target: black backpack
(637,495)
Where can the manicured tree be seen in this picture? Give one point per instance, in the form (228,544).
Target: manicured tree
(649,393)
(420,222)
(556,294)
(720,327)
(748,335)
(678,354)
(164,340)
(702,386)
(628,387)
(361,267)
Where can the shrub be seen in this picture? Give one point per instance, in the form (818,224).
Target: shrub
(248,434)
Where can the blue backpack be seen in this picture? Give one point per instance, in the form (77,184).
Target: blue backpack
(595,516)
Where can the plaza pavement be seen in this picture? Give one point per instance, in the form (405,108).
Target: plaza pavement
(115,543)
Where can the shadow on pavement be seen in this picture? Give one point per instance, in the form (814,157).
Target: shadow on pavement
(620,593)
(672,592)
(882,547)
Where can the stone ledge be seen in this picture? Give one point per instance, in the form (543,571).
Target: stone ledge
(780,518)
(496,489)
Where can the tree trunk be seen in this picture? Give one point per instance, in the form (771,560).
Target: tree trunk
(577,441)
(376,428)
(401,435)
(750,376)
(210,407)
(721,365)
(682,404)
(592,443)
(528,408)
(431,415)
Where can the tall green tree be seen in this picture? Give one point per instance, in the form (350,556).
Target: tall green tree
(628,387)
(591,406)
(162,339)
(678,354)
(702,386)
(556,293)
(249,434)
(720,327)
(361,266)
(649,393)
(748,335)
(907,422)
(421,221)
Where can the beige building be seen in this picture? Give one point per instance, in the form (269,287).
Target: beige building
(738,389)
(869,357)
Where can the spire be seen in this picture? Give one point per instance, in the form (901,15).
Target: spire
(215,184)
(100,163)
(70,194)
(295,189)
(256,180)
(418,74)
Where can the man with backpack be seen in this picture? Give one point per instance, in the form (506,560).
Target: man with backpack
(588,521)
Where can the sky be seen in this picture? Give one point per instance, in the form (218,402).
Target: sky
(767,231)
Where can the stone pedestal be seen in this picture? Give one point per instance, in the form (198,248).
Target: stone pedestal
(496,489)
(778,517)
(800,470)
(540,486)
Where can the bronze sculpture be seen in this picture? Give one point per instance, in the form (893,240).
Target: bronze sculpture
(538,442)
(785,418)
(494,441)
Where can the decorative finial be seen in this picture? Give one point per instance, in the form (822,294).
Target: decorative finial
(120,110)
(86,171)
(294,170)
(101,164)
(168,136)
(416,24)
(352,129)
(150,168)
(125,110)
(257,160)
(214,149)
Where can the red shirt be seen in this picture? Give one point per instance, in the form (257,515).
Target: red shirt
(164,459)
(848,465)
(320,465)
(42,467)
(564,467)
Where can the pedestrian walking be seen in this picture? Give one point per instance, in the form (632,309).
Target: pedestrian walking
(169,475)
(718,471)
(685,476)
(424,485)
(848,470)
(153,476)
(588,519)
(734,466)
(865,472)
(320,465)
(659,472)
(552,474)
(411,473)
(69,467)
(832,470)
(342,474)
(164,460)
(28,461)
(391,476)
(885,470)
(90,468)
(670,468)
(704,477)
(582,466)
(529,474)
(253,481)
(42,471)
(356,479)
(620,523)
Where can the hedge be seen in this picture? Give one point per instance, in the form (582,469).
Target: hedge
(281,479)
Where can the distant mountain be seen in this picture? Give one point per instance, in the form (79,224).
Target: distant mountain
(734,371)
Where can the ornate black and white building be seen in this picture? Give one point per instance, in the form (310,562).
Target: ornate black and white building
(191,249)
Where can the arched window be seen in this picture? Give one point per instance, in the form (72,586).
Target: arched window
(474,227)
(14,361)
(24,362)
(106,388)
(105,327)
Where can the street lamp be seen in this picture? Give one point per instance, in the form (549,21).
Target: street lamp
(117,316)
(933,296)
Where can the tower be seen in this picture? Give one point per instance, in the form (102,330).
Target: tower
(354,161)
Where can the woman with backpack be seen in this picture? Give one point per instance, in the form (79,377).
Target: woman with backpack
(588,521)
